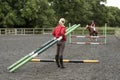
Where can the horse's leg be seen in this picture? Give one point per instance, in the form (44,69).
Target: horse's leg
(96,35)
(91,34)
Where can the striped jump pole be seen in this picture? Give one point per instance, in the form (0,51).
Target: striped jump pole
(73,36)
(65,60)
(87,43)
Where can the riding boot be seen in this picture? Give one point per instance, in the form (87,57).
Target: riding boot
(57,60)
(61,62)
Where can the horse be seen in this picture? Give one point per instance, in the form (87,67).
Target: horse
(92,32)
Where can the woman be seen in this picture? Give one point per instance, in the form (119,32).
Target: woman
(58,31)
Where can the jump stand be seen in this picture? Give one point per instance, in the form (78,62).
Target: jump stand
(98,43)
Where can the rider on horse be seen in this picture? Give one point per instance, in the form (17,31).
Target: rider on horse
(92,30)
(93,25)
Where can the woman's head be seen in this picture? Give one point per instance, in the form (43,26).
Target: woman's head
(62,21)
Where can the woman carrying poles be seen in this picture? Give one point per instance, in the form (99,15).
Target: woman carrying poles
(58,31)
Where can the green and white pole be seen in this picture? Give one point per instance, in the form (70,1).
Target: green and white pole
(30,54)
(73,29)
(105,33)
(40,51)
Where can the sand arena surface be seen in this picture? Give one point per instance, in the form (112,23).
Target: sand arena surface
(14,47)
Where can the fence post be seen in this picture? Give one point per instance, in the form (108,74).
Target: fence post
(15,31)
(83,32)
(43,31)
(33,30)
(6,31)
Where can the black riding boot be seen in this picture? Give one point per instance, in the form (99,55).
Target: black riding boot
(61,62)
(57,60)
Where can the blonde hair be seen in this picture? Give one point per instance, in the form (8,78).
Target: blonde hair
(62,21)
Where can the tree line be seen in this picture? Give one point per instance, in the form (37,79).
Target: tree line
(46,13)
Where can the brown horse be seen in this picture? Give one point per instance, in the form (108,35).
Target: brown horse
(92,32)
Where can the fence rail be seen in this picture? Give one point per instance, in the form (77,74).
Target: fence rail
(23,31)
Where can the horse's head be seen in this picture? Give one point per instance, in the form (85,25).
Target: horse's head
(87,27)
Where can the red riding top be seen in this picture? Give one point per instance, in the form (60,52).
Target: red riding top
(58,31)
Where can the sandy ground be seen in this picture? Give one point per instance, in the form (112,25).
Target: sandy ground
(14,47)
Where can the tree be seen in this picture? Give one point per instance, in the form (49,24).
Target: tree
(25,13)
(80,11)
(46,13)
(113,16)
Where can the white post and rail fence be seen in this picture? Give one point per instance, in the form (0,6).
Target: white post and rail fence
(24,31)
